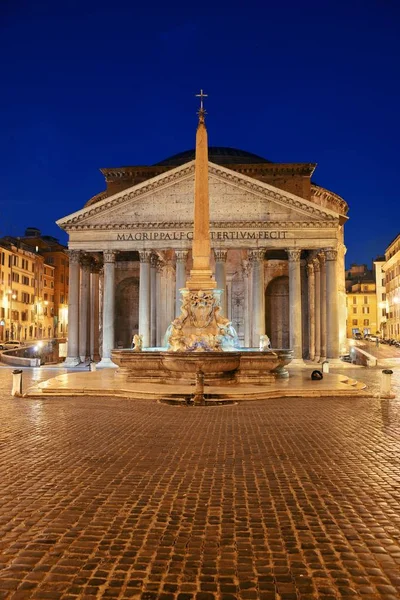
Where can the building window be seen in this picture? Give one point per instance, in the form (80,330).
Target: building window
(366,321)
(365,299)
(354,300)
(366,310)
(355,322)
(354,310)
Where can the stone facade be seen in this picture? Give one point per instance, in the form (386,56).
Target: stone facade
(277,254)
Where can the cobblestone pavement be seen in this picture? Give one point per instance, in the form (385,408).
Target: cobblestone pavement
(282,499)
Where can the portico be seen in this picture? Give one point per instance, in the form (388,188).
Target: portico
(277,256)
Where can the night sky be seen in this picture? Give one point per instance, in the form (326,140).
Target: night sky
(88,84)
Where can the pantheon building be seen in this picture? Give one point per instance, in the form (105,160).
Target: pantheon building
(277,243)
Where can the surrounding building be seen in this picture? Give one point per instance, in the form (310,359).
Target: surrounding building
(391,269)
(18,287)
(33,288)
(362,308)
(55,256)
(366,299)
(381,302)
(278,254)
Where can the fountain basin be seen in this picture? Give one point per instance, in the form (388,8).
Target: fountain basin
(243,366)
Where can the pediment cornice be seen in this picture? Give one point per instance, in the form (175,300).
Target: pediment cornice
(187,170)
(185,225)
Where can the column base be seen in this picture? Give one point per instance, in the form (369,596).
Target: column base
(106,363)
(71,361)
(322,358)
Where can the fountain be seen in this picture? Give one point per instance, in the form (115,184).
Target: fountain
(202,344)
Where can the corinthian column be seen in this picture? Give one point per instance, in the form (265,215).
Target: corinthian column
(295,303)
(181,258)
(108,309)
(160,305)
(220,276)
(247,302)
(258,300)
(322,261)
(144,297)
(311,310)
(94,313)
(153,300)
(84,308)
(73,310)
(317,273)
(332,319)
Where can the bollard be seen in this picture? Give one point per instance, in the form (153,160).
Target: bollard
(386,383)
(325,366)
(92,366)
(17,383)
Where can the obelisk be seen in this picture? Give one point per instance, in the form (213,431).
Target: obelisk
(201,276)
(200,326)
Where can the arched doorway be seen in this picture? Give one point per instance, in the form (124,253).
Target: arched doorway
(277,312)
(126,311)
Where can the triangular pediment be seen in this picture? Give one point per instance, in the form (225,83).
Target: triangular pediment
(169,198)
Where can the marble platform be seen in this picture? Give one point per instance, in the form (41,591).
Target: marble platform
(107,383)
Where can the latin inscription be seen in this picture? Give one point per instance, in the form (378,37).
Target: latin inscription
(142,236)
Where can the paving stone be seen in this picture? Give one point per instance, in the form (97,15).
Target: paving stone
(296,499)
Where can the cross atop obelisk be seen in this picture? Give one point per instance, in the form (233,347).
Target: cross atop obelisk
(201,276)
(201,112)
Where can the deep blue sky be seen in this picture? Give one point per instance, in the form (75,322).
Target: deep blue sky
(88,84)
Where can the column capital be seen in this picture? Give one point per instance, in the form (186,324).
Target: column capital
(96,266)
(330,254)
(322,258)
(293,254)
(74,256)
(153,260)
(220,255)
(160,264)
(86,261)
(109,256)
(256,254)
(181,256)
(317,265)
(145,256)
(310,268)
